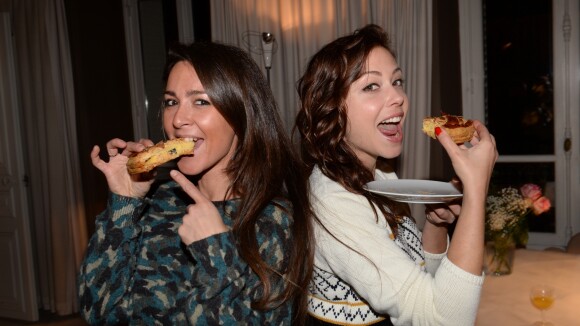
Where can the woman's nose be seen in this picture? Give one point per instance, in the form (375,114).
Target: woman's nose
(182,117)
(396,96)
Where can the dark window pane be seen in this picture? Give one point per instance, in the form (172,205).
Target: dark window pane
(517,174)
(158,25)
(518,50)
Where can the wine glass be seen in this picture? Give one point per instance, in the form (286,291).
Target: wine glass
(542,297)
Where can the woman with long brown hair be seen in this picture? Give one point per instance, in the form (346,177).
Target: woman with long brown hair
(372,264)
(228,238)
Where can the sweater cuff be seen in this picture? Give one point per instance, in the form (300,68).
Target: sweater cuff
(432,261)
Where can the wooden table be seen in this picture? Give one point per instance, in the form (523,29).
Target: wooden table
(505,299)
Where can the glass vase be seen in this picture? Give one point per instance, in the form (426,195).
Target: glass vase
(499,256)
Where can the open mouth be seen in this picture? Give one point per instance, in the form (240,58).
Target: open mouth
(197,141)
(391,127)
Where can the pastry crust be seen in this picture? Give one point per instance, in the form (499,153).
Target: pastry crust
(158,154)
(460,129)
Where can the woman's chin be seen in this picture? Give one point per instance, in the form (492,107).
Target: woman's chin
(187,166)
(392,151)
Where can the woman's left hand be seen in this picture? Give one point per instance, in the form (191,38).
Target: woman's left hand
(438,214)
(202,219)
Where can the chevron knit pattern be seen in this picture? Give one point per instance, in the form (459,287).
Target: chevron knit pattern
(334,301)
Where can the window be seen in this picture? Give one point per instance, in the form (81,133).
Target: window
(151,26)
(517,59)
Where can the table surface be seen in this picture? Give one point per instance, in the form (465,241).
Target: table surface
(505,299)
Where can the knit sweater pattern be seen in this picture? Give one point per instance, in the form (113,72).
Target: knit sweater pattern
(363,273)
(137,271)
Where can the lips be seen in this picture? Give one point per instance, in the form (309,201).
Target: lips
(198,143)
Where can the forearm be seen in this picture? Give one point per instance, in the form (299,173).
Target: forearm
(434,238)
(467,245)
(105,273)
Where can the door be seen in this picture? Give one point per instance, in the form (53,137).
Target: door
(519,74)
(17,283)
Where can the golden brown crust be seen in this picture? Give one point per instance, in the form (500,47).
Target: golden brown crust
(158,154)
(460,129)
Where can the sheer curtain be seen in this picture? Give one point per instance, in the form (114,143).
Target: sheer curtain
(47,101)
(301,27)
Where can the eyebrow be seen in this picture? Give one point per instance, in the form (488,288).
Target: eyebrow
(187,94)
(375,72)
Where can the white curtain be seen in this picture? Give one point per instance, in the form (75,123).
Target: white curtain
(301,27)
(47,100)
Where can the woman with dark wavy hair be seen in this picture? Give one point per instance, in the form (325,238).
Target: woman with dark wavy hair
(372,264)
(227,240)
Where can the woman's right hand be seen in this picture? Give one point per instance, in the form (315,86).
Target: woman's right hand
(115,170)
(473,165)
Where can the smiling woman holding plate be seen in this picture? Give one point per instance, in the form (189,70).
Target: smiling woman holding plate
(372,264)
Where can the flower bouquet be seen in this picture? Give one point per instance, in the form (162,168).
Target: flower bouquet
(506,225)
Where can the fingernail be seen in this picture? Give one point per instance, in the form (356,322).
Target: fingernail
(437,131)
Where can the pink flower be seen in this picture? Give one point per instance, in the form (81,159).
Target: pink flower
(532,191)
(541,205)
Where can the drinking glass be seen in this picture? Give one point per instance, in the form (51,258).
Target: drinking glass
(542,298)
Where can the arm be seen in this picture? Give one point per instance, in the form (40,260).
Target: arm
(473,166)
(106,272)
(224,284)
(435,242)
(439,217)
(435,237)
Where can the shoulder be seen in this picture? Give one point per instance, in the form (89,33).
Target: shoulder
(327,192)
(277,212)
(322,186)
(334,205)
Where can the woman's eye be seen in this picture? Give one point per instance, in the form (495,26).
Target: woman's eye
(201,102)
(371,87)
(398,82)
(169,102)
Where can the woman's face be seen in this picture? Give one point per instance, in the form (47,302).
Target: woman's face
(189,113)
(376,105)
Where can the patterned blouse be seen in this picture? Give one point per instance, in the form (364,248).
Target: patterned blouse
(137,271)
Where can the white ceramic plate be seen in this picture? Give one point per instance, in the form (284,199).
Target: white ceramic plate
(415,191)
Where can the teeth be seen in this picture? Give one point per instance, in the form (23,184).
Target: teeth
(392,120)
(191,139)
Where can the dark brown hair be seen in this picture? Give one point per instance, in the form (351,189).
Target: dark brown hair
(264,165)
(322,119)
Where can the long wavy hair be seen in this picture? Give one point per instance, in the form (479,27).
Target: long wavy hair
(264,165)
(322,118)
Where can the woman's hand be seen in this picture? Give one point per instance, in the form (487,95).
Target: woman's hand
(439,217)
(438,214)
(115,170)
(473,165)
(202,219)
(444,213)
